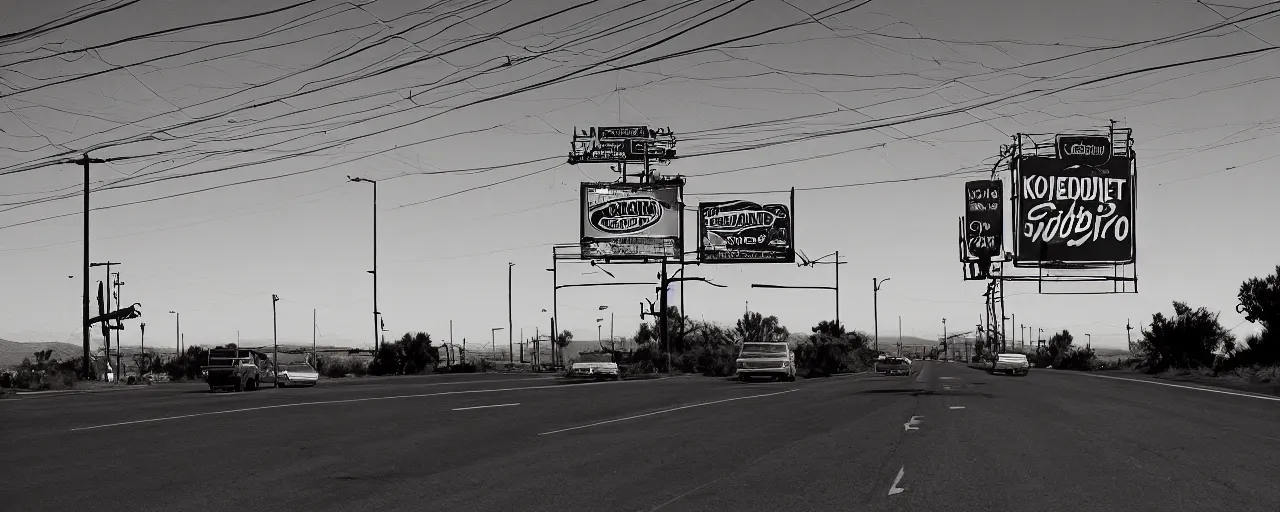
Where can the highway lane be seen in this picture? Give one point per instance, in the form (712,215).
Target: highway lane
(1066,441)
(945,438)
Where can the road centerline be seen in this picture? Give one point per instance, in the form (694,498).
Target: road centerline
(486,406)
(664,411)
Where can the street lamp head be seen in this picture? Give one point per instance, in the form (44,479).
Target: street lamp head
(173,312)
(602,308)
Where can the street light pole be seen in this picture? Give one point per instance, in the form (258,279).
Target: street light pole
(875,305)
(511,348)
(275,340)
(376,346)
(177,336)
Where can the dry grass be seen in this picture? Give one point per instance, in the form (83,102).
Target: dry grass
(1257,379)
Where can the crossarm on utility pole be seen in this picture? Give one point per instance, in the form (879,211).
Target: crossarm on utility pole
(786,287)
(582,285)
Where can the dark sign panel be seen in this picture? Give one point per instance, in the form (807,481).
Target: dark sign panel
(1073,213)
(1085,149)
(984,218)
(631,220)
(745,232)
(615,144)
(623,132)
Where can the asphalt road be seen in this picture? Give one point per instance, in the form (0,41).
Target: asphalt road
(945,438)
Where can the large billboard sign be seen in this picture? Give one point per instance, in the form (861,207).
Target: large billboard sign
(618,144)
(983,219)
(1074,213)
(745,232)
(632,220)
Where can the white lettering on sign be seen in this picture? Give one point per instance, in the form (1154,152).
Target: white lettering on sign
(1086,150)
(1077,209)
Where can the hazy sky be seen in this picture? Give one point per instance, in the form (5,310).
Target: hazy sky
(1205,133)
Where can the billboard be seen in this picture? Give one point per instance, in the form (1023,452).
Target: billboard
(632,220)
(983,219)
(616,144)
(1074,213)
(745,232)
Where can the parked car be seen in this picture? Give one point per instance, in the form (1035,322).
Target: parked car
(893,365)
(594,366)
(773,360)
(297,374)
(1012,364)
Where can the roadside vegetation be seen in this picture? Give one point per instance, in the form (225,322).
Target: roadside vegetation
(1191,344)
(708,348)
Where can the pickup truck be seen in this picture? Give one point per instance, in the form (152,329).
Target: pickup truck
(237,368)
(773,360)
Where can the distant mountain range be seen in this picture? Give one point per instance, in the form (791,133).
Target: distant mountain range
(12,353)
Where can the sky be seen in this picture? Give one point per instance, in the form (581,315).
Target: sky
(236,139)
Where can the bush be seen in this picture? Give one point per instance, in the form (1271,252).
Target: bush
(337,367)
(1188,340)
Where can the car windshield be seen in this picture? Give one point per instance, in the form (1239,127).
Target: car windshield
(298,367)
(1013,357)
(765,348)
(595,358)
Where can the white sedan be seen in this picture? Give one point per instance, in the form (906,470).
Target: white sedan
(297,374)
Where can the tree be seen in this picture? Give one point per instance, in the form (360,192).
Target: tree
(756,328)
(1259,303)
(1260,300)
(416,353)
(1186,340)
(830,349)
(829,328)
(1059,346)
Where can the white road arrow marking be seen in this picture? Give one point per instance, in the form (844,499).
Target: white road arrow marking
(954,407)
(894,489)
(911,425)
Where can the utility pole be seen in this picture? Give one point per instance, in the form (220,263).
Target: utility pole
(177,334)
(1128,330)
(87,368)
(142,328)
(945,342)
(554,334)
(451,336)
(119,348)
(837,289)
(899,334)
(662,315)
(315,360)
(611,319)
(1014,320)
(511,347)
(275,339)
